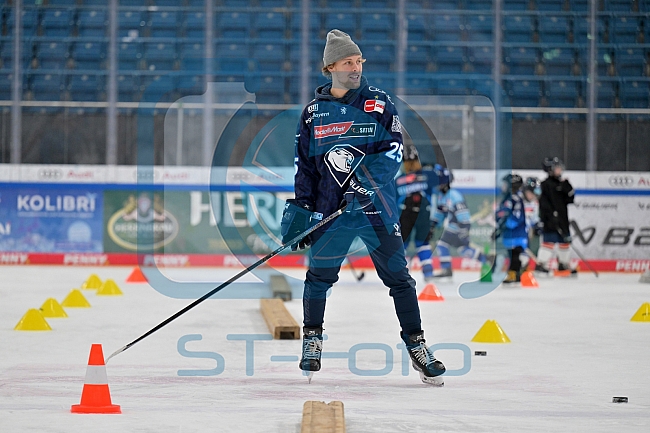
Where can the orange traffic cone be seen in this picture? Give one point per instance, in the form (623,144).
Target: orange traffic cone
(96,397)
(528,280)
(136,276)
(430,293)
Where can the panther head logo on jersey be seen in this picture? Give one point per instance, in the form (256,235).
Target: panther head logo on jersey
(340,160)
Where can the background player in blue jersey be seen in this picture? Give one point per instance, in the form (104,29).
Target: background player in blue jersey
(348,150)
(532,190)
(511,224)
(414,189)
(452,212)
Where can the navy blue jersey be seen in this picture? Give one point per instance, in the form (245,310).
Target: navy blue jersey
(511,217)
(423,182)
(358,135)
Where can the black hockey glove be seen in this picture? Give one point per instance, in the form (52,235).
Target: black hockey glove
(357,197)
(295,220)
(538,228)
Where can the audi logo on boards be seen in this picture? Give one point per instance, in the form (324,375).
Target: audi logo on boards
(621,181)
(50,173)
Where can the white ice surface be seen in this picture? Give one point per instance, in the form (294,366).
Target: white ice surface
(573,348)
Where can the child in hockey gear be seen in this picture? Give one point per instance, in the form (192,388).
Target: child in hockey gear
(414,189)
(557,194)
(348,151)
(511,224)
(422,359)
(451,207)
(532,190)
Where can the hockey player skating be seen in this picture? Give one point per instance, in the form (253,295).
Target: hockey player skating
(451,206)
(414,189)
(511,225)
(557,194)
(349,147)
(532,190)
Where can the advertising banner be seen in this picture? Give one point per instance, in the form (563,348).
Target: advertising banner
(42,219)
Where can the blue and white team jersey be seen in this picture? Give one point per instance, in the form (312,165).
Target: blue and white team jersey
(532,214)
(451,207)
(358,135)
(423,181)
(511,218)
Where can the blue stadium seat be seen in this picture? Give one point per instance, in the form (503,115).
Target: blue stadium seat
(157,85)
(336,6)
(445,4)
(29,21)
(5,86)
(553,28)
(377,27)
(236,3)
(232,50)
(271,90)
(448,59)
(446,27)
(549,5)
(379,54)
(515,5)
(382,80)
(481,59)
(191,83)
(582,27)
(479,27)
(296,24)
(57,22)
(195,24)
(341,20)
(562,93)
(626,30)
(84,87)
(520,61)
(92,23)
(618,5)
(270,57)
(166,3)
(129,21)
(579,5)
(160,56)
(416,27)
(192,56)
(62,2)
(234,24)
(52,55)
(453,86)
(558,61)
(270,25)
(479,5)
(635,94)
(417,58)
(273,3)
(128,55)
(127,88)
(88,55)
(630,61)
(517,28)
(163,24)
(418,84)
(133,2)
(524,93)
(46,87)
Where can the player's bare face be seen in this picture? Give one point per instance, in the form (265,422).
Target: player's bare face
(346,73)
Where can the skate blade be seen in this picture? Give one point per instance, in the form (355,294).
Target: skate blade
(442,280)
(308,374)
(435,381)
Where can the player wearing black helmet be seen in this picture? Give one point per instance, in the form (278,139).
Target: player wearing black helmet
(556,194)
(511,224)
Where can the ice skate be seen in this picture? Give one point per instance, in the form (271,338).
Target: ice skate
(542,271)
(427,271)
(423,361)
(312,348)
(566,270)
(443,276)
(512,278)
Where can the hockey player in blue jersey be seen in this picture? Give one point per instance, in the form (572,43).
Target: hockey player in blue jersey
(511,224)
(414,189)
(451,207)
(348,151)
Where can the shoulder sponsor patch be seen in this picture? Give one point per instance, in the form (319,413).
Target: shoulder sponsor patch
(374,105)
(345,129)
(397,125)
(312,108)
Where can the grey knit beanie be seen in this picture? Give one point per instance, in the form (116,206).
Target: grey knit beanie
(338,46)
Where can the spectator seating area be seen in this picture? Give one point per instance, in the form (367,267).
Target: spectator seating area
(450,48)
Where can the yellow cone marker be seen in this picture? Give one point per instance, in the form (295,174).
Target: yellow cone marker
(491,332)
(52,308)
(93,282)
(33,320)
(109,288)
(642,314)
(75,300)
